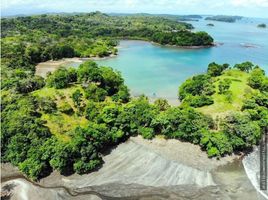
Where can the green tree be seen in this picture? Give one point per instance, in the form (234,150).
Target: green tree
(122,95)
(198,85)
(215,69)
(242,131)
(224,85)
(95,93)
(77,97)
(59,79)
(216,143)
(245,66)
(111,80)
(46,105)
(30,84)
(162,104)
(198,100)
(257,78)
(89,72)
(62,157)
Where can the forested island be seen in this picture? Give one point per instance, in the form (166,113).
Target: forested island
(210,24)
(167,16)
(68,121)
(261,26)
(224,18)
(33,39)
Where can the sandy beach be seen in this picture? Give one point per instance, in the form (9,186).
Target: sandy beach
(50,66)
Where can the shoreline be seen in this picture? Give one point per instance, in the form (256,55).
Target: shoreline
(140,167)
(185,47)
(170,149)
(41,69)
(214,44)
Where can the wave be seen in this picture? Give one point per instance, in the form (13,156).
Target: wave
(252,167)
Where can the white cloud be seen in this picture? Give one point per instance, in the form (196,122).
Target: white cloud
(138,3)
(249,3)
(238,7)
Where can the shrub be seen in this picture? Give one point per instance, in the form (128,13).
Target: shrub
(66,108)
(95,93)
(47,105)
(162,104)
(242,131)
(229,96)
(82,167)
(30,84)
(77,97)
(216,143)
(198,101)
(198,85)
(213,152)
(224,85)
(147,133)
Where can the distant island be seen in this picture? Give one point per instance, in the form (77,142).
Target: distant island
(167,16)
(210,24)
(224,18)
(262,25)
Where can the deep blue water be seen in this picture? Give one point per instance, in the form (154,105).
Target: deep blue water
(157,71)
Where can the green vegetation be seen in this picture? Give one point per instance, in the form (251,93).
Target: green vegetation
(231,90)
(215,69)
(258,80)
(239,106)
(48,128)
(167,16)
(196,91)
(67,121)
(224,18)
(224,86)
(80,113)
(245,67)
(29,40)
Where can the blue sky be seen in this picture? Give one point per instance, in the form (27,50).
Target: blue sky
(253,8)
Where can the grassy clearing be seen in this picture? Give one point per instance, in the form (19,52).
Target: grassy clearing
(60,123)
(52,92)
(239,90)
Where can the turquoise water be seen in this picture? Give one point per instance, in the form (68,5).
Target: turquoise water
(157,71)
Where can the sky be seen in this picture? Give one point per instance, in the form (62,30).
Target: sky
(247,8)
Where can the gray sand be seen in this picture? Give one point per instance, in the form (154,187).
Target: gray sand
(143,169)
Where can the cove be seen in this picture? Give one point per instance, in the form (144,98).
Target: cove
(157,71)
